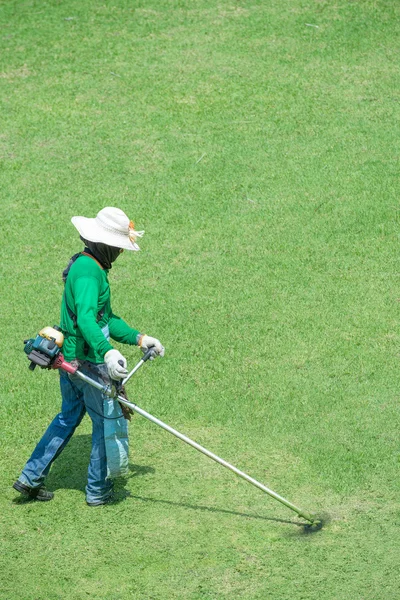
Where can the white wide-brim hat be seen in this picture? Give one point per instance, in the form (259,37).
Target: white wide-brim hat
(110,226)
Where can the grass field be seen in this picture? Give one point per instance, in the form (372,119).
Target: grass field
(257,143)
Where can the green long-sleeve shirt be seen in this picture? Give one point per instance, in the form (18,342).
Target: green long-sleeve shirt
(87,292)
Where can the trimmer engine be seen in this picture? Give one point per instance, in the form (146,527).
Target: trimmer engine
(45,350)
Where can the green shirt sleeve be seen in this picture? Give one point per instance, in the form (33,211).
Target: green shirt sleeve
(86,293)
(121,332)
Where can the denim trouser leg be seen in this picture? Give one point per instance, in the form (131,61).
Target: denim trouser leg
(56,436)
(77,397)
(98,486)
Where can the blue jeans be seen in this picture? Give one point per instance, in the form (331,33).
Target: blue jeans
(77,398)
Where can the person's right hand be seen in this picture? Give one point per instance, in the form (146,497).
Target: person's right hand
(113,358)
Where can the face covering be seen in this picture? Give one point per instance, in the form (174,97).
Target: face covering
(103,253)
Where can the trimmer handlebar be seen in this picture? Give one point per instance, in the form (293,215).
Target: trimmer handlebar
(60,363)
(149,354)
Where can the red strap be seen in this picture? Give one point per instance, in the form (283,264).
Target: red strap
(93,258)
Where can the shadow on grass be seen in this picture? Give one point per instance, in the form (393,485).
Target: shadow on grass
(212,509)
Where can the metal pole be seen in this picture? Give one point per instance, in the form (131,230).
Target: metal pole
(151,353)
(100,386)
(108,391)
(127,378)
(221,461)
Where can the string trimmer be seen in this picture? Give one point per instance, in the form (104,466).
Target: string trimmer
(45,351)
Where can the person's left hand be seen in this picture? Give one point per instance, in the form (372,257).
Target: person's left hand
(147,342)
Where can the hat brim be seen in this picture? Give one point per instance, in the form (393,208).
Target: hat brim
(90,230)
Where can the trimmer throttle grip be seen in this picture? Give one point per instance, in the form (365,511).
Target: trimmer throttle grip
(149,354)
(60,363)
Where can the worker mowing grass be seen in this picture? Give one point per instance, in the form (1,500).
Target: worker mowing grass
(89,324)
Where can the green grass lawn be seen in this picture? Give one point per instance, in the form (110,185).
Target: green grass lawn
(257,143)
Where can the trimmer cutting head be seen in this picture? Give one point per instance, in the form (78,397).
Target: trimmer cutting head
(314,526)
(318,522)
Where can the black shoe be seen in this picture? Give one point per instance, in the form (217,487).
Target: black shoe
(100,502)
(38,493)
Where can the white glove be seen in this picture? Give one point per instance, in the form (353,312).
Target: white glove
(146,342)
(116,370)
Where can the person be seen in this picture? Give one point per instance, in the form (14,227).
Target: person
(89,325)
